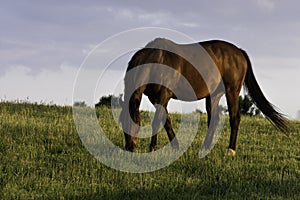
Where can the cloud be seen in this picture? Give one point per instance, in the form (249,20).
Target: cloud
(38,39)
(188,24)
(57,86)
(37,55)
(163,17)
(46,86)
(139,15)
(266,4)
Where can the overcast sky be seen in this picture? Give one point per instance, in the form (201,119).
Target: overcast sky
(43,43)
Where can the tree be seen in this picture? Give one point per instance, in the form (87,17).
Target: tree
(79,104)
(247,107)
(198,111)
(245,104)
(109,101)
(223,109)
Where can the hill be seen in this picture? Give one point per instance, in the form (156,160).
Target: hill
(42,157)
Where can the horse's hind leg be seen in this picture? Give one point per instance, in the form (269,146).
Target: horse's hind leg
(212,108)
(233,108)
(208,109)
(161,115)
(170,132)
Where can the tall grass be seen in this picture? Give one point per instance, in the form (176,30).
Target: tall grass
(42,157)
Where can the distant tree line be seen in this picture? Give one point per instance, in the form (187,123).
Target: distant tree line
(109,101)
(79,104)
(247,107)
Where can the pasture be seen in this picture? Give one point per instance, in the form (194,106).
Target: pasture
(42,158)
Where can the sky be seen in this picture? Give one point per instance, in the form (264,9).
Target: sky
(44,43)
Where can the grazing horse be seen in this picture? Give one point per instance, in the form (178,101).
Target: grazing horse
(234,69)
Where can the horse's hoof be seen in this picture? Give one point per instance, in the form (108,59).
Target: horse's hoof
(175,144)
(130,148)
(153,148)
(231,152)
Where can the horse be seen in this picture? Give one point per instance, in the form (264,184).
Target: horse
(233,69)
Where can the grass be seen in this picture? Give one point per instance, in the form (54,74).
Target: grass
(42,157)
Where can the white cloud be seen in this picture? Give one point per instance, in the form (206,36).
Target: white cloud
(57,86)
(126,13)
(188,24)
(88,48)
(46,86)
(154,18)
(37,38)
(279,78)
(266,4)
(11,54)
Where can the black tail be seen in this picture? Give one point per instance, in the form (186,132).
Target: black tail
(260,100)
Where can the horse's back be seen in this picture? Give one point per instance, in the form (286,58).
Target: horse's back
(202,64)
(229,58)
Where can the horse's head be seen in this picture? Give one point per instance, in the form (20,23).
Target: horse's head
(129,127)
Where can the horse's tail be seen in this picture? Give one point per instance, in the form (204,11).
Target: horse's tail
(260,100)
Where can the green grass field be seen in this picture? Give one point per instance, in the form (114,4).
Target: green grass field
(42,157)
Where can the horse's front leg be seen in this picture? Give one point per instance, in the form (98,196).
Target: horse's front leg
(171,134)
(159,113)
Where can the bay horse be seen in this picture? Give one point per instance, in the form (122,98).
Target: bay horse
(233,71)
